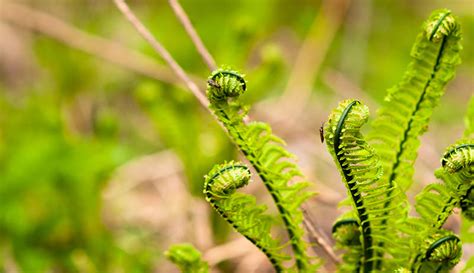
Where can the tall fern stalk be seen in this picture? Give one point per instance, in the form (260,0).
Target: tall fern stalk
(395,134)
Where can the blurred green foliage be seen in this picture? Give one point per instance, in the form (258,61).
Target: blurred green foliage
(55,158)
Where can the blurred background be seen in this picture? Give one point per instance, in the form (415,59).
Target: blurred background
(103,151)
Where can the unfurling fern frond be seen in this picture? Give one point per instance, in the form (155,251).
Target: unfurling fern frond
(240,210)
(458,174)
(405,114)
(437,201)
(265,152)
(439,253)
(347,234)
(361,170)
(187,258)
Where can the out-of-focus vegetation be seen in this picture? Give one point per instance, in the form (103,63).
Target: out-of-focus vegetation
(101,167)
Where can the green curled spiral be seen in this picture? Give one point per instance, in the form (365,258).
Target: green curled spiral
(346,232)
(459,157)
(223,182)
(458,164)
(443,250)
(441,24)
(223,84)
(241,211)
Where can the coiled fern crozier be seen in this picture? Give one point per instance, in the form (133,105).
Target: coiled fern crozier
(377,234)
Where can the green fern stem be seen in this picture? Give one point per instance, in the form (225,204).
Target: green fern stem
(269,159)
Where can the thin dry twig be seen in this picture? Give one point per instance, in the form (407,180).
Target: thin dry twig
(310,226)
(146,34)
(108,50)
(188,26)
(311,56)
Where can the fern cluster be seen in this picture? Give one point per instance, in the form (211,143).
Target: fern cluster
(378,235)
(377,195)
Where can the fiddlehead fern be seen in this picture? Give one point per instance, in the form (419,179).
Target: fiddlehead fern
(347,234)
(361,170)
(187,258)
(440,253)
(265,153)
(240,210)
(458,174)
(395,134)
(437,201)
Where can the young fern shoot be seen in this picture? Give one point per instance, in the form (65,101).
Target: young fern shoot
(361,169)
(265,152)
(241,211)
(405,114)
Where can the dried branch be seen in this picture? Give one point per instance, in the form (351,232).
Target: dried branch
(146,34)
(310,226)
(200,47)
(110,51)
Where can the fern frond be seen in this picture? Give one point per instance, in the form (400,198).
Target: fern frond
(187,258)
(440,252)
(241,211)
(408,106)
(265,152)
(405,114)
(361,169)
(458,175)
